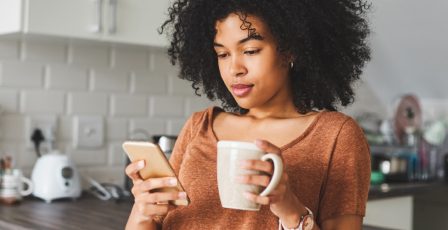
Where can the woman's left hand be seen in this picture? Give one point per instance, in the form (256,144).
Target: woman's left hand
(283,202)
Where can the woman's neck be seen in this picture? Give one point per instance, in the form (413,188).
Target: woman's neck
(275,111)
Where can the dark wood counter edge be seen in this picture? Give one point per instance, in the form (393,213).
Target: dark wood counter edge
(87,212)
(404,189)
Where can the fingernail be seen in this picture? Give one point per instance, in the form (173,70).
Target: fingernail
(182,195)
(141,164)
(173,181)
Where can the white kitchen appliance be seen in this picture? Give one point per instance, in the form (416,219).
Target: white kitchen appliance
(55,176)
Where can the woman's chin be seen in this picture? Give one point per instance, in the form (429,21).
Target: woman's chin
(245,104)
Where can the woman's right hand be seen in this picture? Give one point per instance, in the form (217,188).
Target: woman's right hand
(147,202)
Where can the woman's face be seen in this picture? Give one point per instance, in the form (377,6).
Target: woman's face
(251,67)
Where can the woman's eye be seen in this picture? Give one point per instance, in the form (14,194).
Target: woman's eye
(221,55)
(252,52)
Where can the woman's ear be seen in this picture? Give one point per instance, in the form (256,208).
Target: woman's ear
(287,60)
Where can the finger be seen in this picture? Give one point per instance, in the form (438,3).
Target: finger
(133,168)
(278,194)
(160,197)
(151,210)
(264,166)
(264,200)
(161,209)
(155,183)
(260,180)
(267,146)
(274,199)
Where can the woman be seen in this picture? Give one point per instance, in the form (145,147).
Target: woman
(280,68)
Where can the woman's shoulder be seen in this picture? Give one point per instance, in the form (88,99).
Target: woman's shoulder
(337,119)
(205,115)
(335,124)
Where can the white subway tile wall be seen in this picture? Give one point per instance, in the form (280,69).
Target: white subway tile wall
(88,157)
(88,55)
(174,126)
(129,105)
(143,83)
(42,102)
(131,58)
(110,80)
(66,77)
(117,129)
(12,127)
(145,128)
(178,86)
(9,100)
(17,74)
(64,130)
(135,89)
(116,156)
(172,106)
(159,60)
(194,104)
(26,157)
(9,49)
(47,52)
(97,103)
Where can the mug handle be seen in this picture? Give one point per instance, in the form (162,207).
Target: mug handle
(29,185)
(276,176)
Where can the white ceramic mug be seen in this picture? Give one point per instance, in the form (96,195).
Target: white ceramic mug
(230,155)
(15,185)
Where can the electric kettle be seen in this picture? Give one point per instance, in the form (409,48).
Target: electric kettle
(55,176)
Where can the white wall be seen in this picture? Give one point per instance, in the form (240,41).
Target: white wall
(410,52)
(130,87)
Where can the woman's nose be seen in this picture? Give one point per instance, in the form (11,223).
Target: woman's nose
(237,67)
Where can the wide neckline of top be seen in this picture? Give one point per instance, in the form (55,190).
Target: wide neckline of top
(213,110)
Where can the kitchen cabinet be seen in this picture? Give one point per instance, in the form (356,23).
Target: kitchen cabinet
(120,21)
(393,213)
(407,206)
(431,209)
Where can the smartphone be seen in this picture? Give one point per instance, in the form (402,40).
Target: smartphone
(156,165)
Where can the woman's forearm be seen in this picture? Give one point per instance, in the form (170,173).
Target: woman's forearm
(137,222)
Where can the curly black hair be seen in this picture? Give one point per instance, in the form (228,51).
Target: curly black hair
(326,37)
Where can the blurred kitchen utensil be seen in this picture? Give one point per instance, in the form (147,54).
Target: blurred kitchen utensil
(436,132)
(166,143)
(13,186)
(407,119)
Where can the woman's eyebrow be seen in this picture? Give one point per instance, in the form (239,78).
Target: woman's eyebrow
(254,36)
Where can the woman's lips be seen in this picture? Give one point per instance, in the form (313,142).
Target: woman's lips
(241,90)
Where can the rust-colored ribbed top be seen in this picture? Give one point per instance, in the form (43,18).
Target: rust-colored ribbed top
(328,167)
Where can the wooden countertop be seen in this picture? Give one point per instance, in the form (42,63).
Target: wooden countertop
(85,213)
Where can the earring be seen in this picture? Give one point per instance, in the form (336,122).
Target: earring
(292,65)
